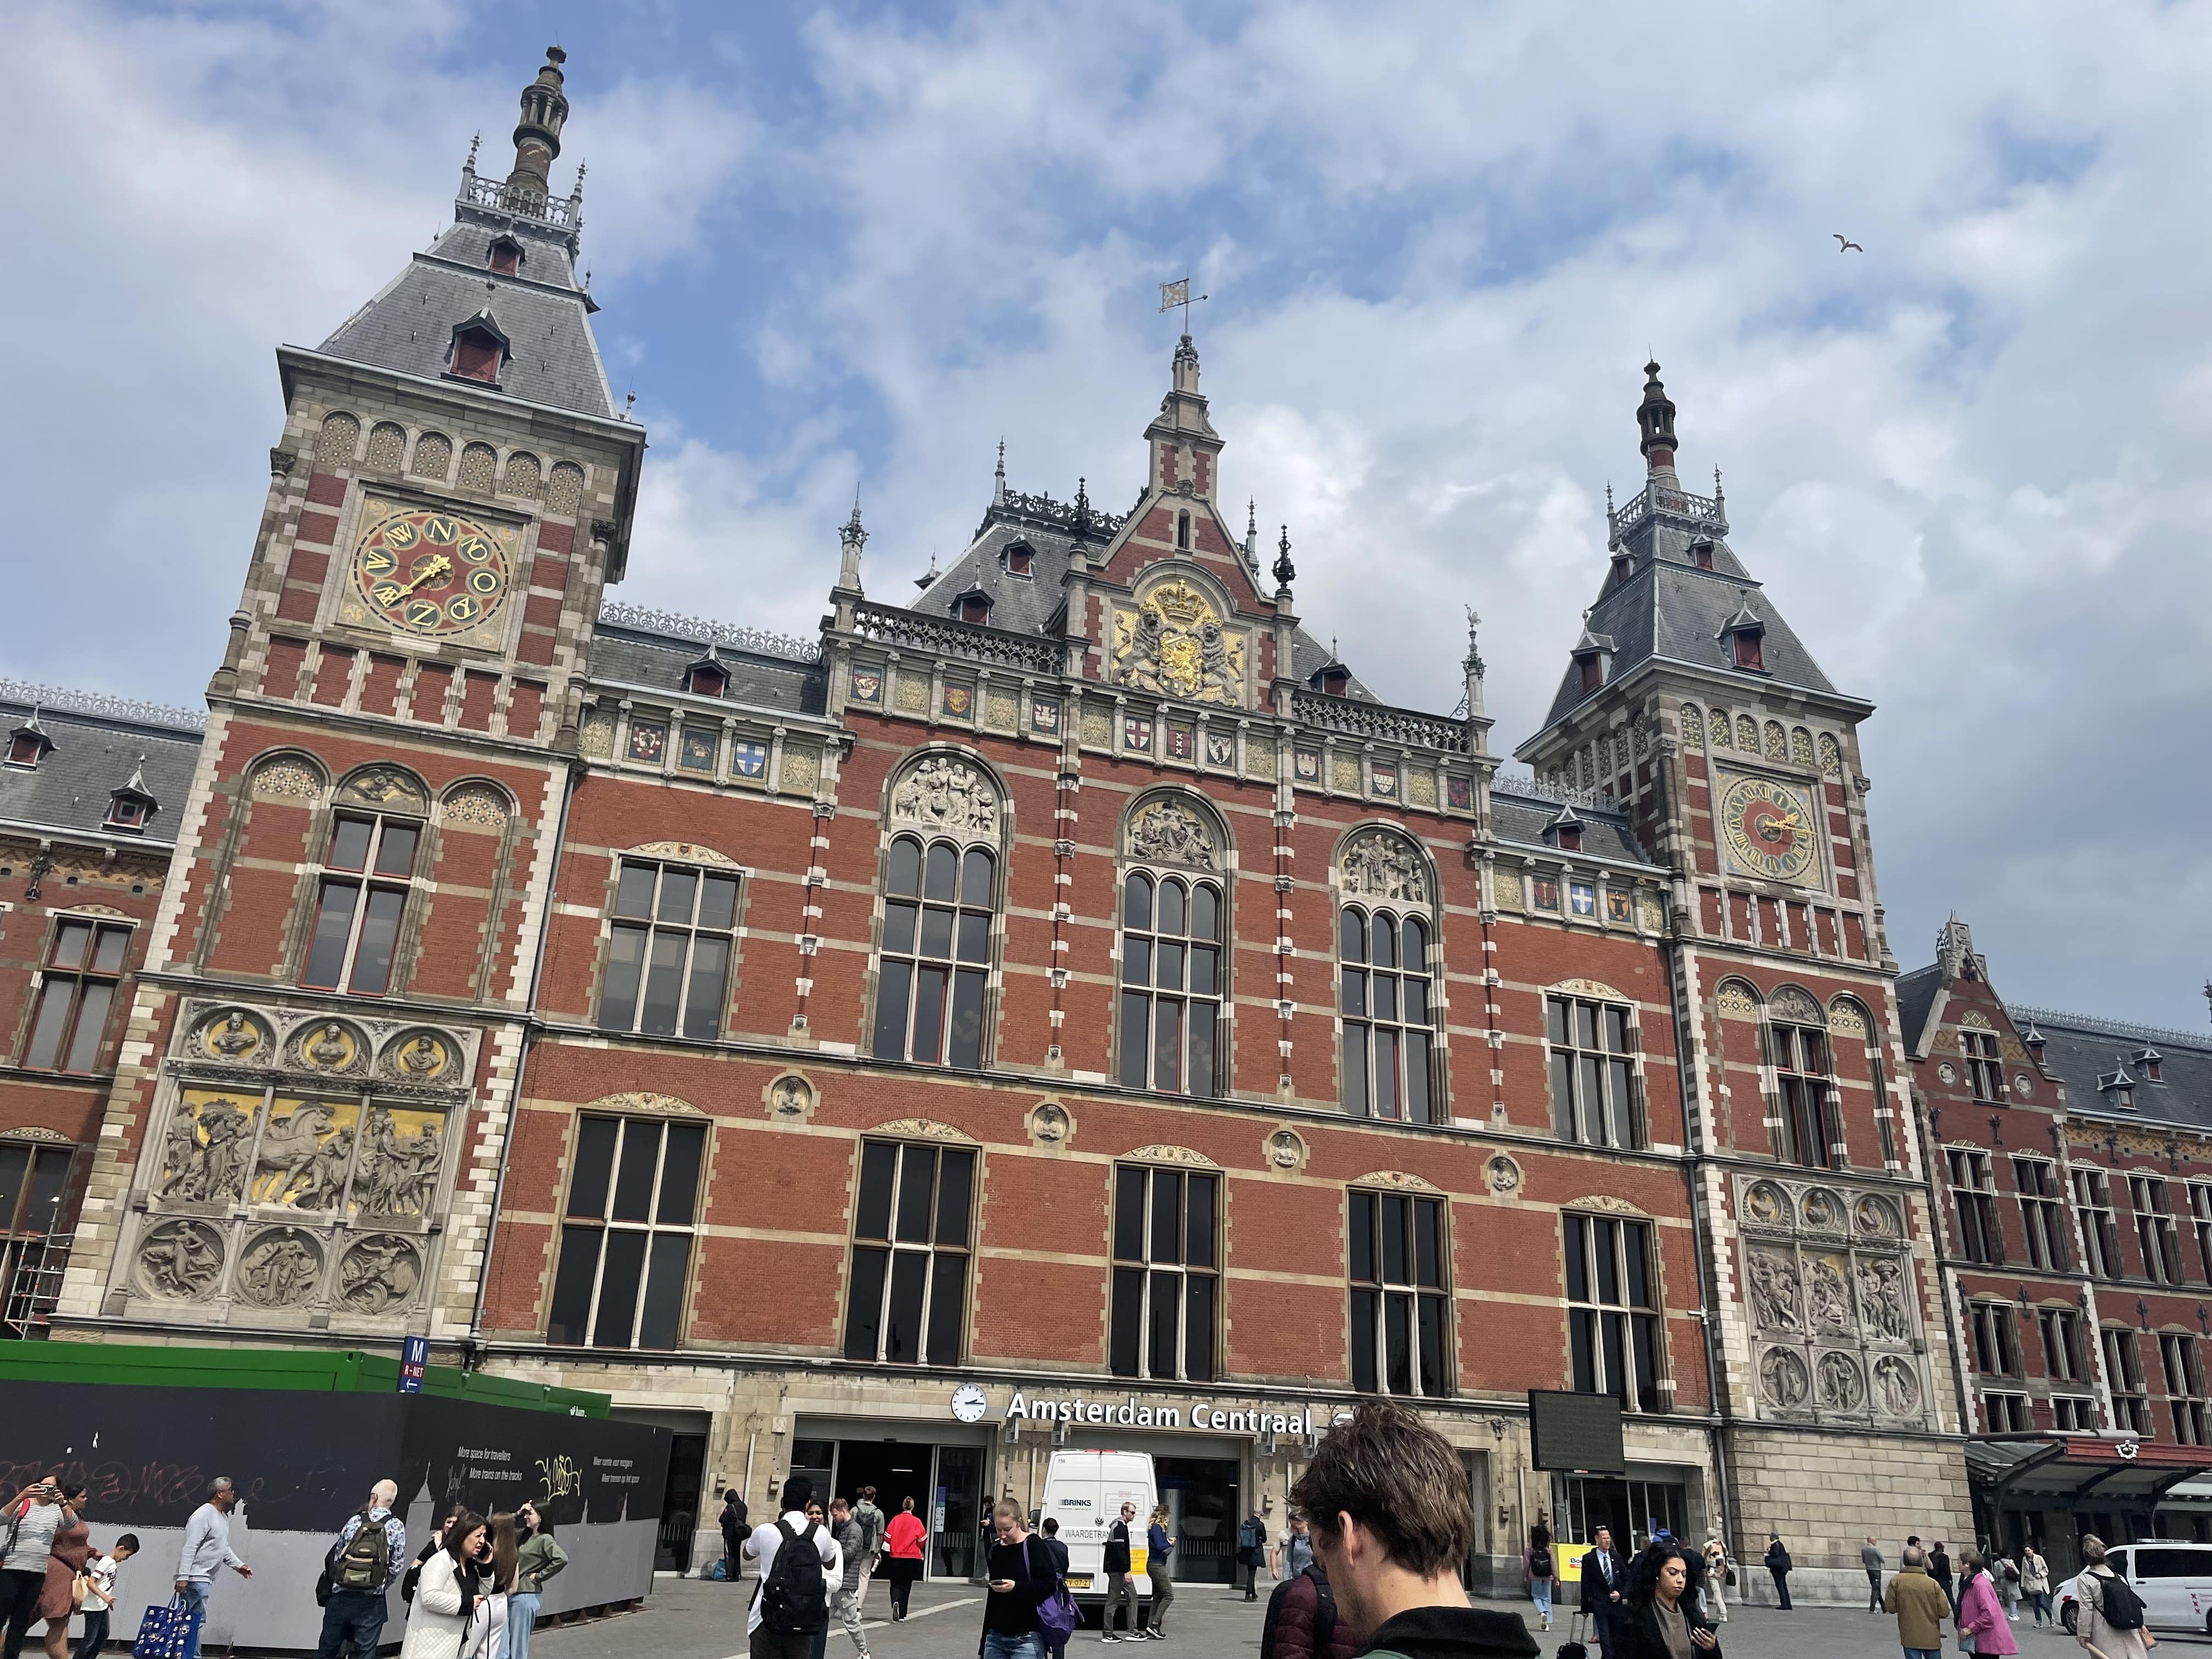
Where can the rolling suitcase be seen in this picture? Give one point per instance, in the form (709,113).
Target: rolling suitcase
(1574,1647)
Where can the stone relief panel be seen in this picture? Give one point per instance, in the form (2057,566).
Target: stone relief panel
(1169,832)
(1174,641)
(946,793)
(283,1134)
(1377,864)
(1828,1288)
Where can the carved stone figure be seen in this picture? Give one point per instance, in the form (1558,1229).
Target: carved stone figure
(1877,1219)
(1382,867)
(279,1269)
(396,1176)
(1504,1174)
(1827,1297)
(329,1049)
(1216,674)
(1174,642)
(1765,1205)
(1140,664)
(325,1183)
(1285,1149)
(1170,833)
(423,1058)
(284,1163)
(1773,1283)
(1050,1123)
(1821,1211)
(209,1168)
(233,1039)
(1782,1379)
(1841,1385)
(790,1097)
(1882,1300)
(945,793)
(180,1262)
(1896,1389)
(180,1154)
(379,1275)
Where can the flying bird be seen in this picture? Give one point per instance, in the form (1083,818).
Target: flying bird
(1845,245)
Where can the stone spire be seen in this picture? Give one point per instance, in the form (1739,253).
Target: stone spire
(1655,419)
(537,134)
(1471,666)
(999,478)
(1286,571)
(852,537)
(1186,450)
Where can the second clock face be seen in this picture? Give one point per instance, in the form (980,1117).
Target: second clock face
(1769,828)
(432,573)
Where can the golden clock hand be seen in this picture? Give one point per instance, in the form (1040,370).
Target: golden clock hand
(437,566)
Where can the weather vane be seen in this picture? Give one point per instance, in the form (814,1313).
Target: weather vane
(1178,293)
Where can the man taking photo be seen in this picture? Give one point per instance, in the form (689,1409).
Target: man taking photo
(1388,1503)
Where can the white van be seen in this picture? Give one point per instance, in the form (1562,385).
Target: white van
(2173,1579)
(1084,1491)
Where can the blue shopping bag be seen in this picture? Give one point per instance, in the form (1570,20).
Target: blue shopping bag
(166,1632)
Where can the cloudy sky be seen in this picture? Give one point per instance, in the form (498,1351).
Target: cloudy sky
(848,244)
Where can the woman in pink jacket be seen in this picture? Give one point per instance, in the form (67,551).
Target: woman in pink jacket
(1981,1616)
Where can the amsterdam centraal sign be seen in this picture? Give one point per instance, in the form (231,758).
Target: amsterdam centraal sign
(970,1404)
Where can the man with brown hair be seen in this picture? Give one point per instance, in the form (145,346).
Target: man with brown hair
(1392,1522)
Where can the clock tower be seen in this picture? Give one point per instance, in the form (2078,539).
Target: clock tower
(309,1120)
(1691,701)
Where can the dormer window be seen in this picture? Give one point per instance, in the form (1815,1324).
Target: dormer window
(973,606)
(1701,555)
(1571,838)
(1565,832)
(2151,1063)
(1743,636)
(1021,560)
(27,746)
(1751,653)
(2119,1090)
(706,680)
(1593,656)
(477,354)
(1593,671)
(1335,680)
(130,806)
(1622,564)
(506,257)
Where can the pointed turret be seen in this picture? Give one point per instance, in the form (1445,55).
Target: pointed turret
(537,134)
(1655,419)
(1186,449)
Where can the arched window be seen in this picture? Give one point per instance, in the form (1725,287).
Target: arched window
(1797,1048)
(368,870)
(936,961)
(1172,983)
(1386,966)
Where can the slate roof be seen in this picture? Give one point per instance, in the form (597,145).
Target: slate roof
(757,679)
(1521,820)
(1031,605)
(95,754)
(2079,1048)
(545,316)
(1916,995)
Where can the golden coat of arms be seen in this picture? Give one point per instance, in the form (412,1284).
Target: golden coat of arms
(1174,643)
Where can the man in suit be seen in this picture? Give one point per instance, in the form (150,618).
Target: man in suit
(1605,1576)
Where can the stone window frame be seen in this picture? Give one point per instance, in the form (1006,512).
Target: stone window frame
(1591,1304)
(1970,1176)
(2151,1202)
(2066,1359)
(2200,1217)
(1142,1263)
(20,1243)
(1994,1338)
(1788,1016)
(1441,1295)
(968,1250)
(318,875)
(1001,844)
(2126,1378)
(2005,1411)
(705,863)
(694,1231)
(1430,913)
(1606,1000)
(2189,1406)
(2090,1193)
(2043,1217)
(50,973)
(1220,875)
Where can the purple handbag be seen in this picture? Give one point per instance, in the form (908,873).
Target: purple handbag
(1057,1614)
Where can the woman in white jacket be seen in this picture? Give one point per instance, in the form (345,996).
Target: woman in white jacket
(446,1595)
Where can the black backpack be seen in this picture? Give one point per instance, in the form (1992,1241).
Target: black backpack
(794,1600)
(2123,1607)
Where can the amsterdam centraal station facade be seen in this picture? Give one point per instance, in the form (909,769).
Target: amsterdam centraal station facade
(1060,1006)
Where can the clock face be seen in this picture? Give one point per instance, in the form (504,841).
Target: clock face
(1769,828)
(968,1403)
(432,573)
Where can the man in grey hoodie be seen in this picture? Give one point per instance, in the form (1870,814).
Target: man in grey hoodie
(1870,1559)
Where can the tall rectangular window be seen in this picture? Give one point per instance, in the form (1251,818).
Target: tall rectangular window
(2092,1203)
(1166,1274)
(2155,1230)
(2200,1220)
(1800,1078)
(1400,1295)
(2062,1345)
(34,1195)
(907,1303)
(76,988)
(1388,1027)
(668,952)
(1995,1352)
(2005,1414)
(2042,1212)
(1985,1070)
(626,1238)
(2184,1387)
(368,870)
(936,956)
(1171,984)
(2123,1366)
(1592,1055)
(1613,1310)
(1979,1237)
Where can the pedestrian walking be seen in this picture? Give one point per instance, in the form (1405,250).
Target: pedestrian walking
(1301,1621)
(2004,1573)
(1981,1618)
(445,1592)
(539,1557)
(66,1558)
(1540,1566)
(98,1584)
(1387,1496)
(833,1577)
(206,1552)
(791,1602)
(1870,1559)
(734,1528)
(1660,1616)
(1919,1605)
(35,1516)
(1121,1582)
(1251,1552)
(1021,1577)
(1939,1569)
(1292,1553)
(2108,1620)
(852,1546)
(370,1552)
(2035,1582)
(1604,1582)
(1777,1565)
(498,1563)
(1718,1572)
(903,1535)
(871,1520)
(1055,1643)
(1160,1544)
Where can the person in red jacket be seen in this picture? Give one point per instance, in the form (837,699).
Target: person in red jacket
(1302,1623)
